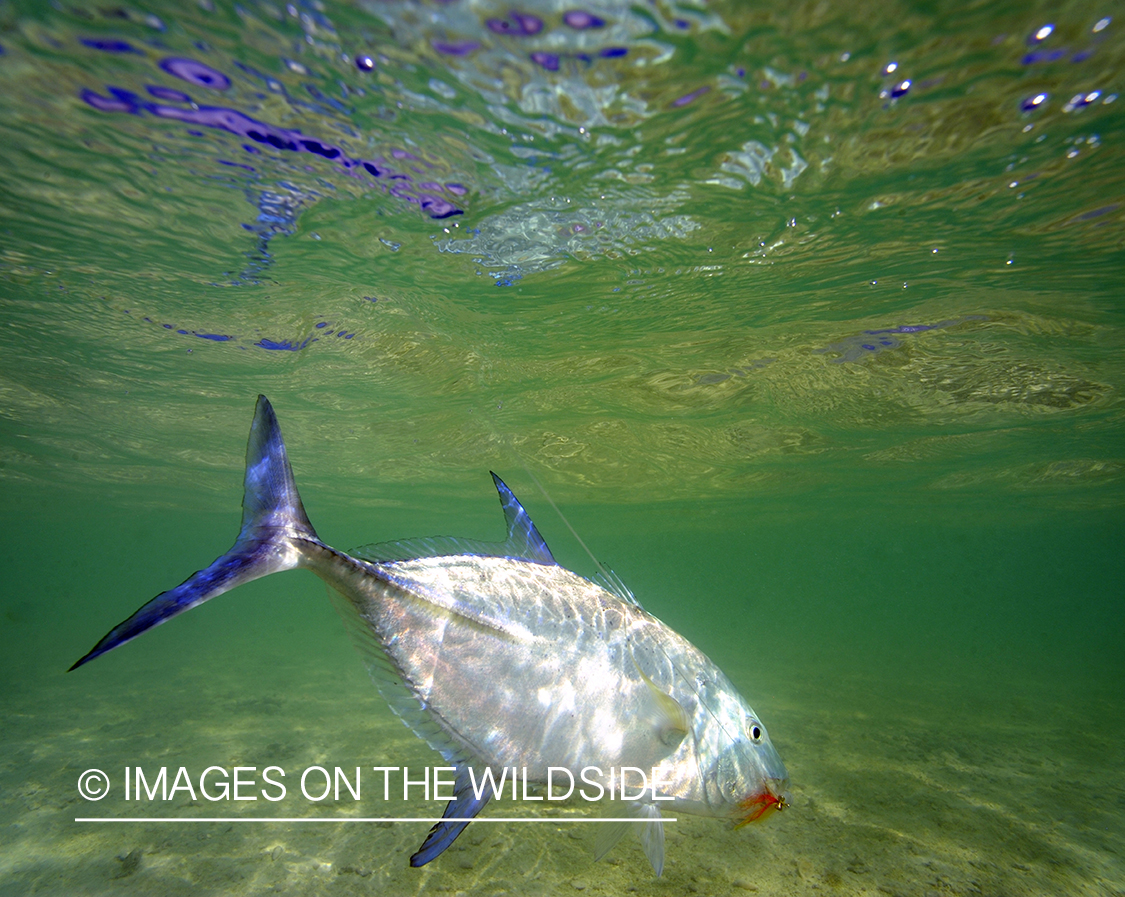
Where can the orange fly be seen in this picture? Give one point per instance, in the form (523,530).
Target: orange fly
(760,806)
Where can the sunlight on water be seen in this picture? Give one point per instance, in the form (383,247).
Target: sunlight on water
(807,317)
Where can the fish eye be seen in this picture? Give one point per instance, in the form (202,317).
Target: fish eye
(755,732)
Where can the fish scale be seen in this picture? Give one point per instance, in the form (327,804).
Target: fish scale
(500,659)
(539,633)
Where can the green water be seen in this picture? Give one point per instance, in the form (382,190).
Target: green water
(830,378)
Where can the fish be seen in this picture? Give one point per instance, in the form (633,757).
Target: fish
(498,657)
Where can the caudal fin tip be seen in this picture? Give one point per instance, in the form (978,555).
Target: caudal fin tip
(95,652)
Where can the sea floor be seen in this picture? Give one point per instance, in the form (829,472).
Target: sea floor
(896,791)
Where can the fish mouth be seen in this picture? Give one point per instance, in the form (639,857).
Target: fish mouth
(757,807)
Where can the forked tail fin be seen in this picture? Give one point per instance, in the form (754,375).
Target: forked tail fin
(273,526)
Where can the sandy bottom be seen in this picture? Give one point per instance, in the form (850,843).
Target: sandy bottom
(906,793)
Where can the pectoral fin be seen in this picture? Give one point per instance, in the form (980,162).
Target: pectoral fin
(665,713)
(464,805)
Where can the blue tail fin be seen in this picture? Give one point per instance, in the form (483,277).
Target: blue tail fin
(273,526)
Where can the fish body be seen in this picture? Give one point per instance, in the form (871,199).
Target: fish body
(498,657)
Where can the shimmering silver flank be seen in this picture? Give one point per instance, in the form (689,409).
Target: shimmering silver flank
(500,658)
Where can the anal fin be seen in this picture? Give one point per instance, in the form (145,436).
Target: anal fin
(649,828)
(651,833)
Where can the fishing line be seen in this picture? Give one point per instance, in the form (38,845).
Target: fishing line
(618,586)
(610,578)
(495,433)
(614,580)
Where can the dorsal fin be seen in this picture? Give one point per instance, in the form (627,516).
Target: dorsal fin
(523,540)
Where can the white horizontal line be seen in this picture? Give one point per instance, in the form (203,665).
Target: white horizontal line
(360,819)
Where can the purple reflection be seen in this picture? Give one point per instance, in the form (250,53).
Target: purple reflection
(580,19)
(195,73)
(1043,56)
(613,52)
(105,104)
(517,23)
(872,342)
(687,98)
(1097,213)
(436,206)
(110,46)
(461,48)
(549,61)
(318,148)
(528,24)
(285,139)
(324,328)
(284,345)
(167,93)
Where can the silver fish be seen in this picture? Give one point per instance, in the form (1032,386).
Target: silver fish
(498,657)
